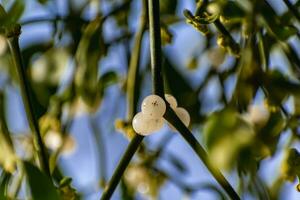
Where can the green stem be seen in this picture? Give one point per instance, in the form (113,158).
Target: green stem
(172,118)
(3,125)
(155,47)
(130,151)
(5,178)
(155,50)
(261,48)
(27,99)
(133,73)
(223,95)
(292,9)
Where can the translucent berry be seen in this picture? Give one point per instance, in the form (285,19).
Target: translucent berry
(171,100)
(183,115)
(153,107)
(146,126)
(138,123)
(154,124)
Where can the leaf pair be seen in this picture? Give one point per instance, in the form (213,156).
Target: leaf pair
(42,188)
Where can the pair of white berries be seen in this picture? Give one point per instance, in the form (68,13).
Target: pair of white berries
(150,119)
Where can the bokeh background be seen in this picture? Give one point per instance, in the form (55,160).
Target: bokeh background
(85,164)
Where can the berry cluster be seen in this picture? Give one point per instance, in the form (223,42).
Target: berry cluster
(150,119)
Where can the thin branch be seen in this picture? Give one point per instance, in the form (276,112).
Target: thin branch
(100,145)
(27,99)
(130,151)
(155,47)
(133,73)
(172,118)
(42,20)
(223,94)
(3,124)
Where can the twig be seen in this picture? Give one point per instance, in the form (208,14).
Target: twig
(155,48)
(27,99)
(100,144)
(3,124)
(132,80)
(172,118)
(131,149)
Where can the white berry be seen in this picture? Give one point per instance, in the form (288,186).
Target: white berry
(146,126)
(171,100)
(153,107)
(183,115)
(138,123)
(154,124)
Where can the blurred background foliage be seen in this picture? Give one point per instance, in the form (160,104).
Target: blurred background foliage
(235,68)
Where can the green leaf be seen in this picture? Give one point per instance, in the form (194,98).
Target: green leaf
(41,186)
(223,123)
(4,180)
(90,50)
(16,11)
(279,87)
(109,78)
(249,76)
(2,13)
(12,16)
(270,133)
(228,136)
